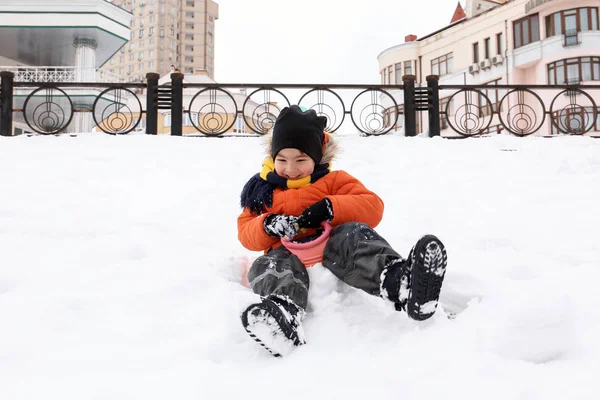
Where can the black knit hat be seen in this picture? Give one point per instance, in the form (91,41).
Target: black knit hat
(302,130)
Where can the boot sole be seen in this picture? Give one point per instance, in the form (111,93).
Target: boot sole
(428,269)
(267,324)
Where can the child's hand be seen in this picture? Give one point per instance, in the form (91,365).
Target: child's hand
(313,216)
(284,226)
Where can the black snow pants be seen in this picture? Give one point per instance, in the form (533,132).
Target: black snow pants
(355,254)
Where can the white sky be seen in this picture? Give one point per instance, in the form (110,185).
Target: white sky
(316,41)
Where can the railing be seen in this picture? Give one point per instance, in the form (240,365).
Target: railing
(570,38)
(521,109)
(59,74)
(215,109)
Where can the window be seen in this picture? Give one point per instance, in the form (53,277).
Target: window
(444,117)
(494,95)
(573,119)
(526,30)
(400,119)
(500,43)
(408,68)
(239,125)
(172,32)
(189,14)
(577,19)
(390,74)
(151,30)
(442,65)
(496,129)
(189,36)
(186,121)
(574,70)
(141,33)
(383,76)
(189,59)
(487,48)
(189,3)
(398,73)
(475,53)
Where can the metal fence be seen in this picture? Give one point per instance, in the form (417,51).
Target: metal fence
(216,109)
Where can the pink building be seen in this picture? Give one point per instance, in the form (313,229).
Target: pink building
(514,42)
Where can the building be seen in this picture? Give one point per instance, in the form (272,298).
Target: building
(165,33)
(59,41)
(512,42)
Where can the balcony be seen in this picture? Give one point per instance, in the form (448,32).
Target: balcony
(532,4)
(570,38)
(57,74)
(554,48)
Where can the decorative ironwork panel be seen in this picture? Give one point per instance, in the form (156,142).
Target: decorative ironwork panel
(368,112)
(262,107)
(325,102)
(570,114)
(212,111)
(525,112)
(48,110)
(117,111)
(470,117)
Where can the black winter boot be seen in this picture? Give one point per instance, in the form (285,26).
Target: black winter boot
(275,323)
(414,284)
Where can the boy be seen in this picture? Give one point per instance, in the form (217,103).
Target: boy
(290,197)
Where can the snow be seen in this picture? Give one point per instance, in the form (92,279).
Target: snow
(118,280)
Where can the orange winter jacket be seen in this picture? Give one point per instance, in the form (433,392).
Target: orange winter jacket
(351,202)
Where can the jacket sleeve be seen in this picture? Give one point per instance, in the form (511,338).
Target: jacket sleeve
(353,202)
(251,232)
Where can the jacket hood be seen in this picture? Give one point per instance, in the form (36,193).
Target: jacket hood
(332,149)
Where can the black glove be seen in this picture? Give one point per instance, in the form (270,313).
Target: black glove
(282,225)
(312,217)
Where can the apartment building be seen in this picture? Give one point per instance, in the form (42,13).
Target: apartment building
(514,42)
(165,33)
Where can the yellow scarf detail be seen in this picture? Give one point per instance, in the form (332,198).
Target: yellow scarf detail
(268,166)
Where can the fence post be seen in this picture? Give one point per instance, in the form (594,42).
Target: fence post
(152,103)
(433,85)
(176,104)
(410,111)
(6,102)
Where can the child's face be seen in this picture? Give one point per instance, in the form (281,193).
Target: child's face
(293,164)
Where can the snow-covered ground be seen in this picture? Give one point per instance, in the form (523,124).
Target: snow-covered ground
(116,282)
